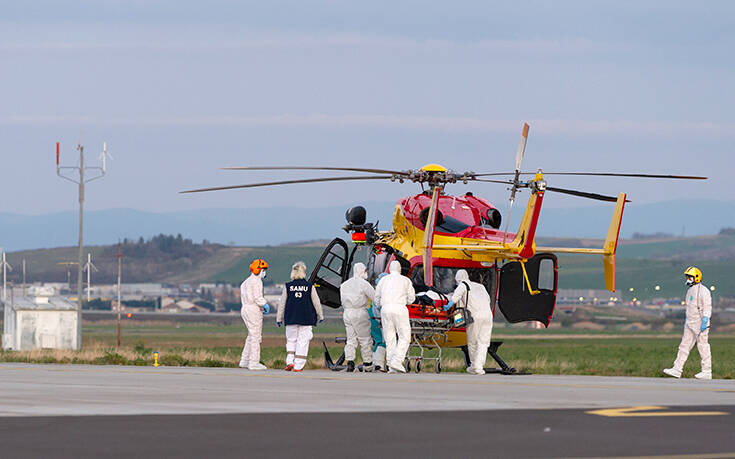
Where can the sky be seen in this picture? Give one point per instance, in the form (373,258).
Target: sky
(180,89)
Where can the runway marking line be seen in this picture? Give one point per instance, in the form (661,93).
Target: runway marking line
(671,456)
(650,411)
(187,371)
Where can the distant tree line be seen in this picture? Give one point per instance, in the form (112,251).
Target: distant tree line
(173,246)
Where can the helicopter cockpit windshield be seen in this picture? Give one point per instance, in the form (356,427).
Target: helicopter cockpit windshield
(451,225)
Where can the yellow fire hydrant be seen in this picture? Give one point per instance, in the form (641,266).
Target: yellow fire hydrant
(155,359)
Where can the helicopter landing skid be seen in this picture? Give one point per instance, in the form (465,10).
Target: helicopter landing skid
(339,364)
(504,369)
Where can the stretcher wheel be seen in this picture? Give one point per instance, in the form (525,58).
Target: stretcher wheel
(408,365)
(438,367)
(418,366)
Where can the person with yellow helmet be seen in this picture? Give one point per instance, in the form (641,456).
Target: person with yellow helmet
(253,307)
(696,327)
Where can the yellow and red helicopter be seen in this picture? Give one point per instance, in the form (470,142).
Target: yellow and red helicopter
(435,234)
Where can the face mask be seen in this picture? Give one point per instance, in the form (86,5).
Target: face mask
(689,281)
(262,274)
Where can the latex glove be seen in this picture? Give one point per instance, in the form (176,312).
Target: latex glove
(267,308)
(448,306)
(321,320)
(279,324)
(705,322)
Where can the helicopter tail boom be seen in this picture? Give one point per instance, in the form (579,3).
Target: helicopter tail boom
(608,249)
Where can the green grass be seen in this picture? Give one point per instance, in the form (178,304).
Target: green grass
(280,260)
(536,351)
(583,272)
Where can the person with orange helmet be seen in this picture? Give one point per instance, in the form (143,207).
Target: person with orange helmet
(253,307)
(696,327)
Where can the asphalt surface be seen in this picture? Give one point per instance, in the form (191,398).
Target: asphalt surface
(498,433)
(108,411)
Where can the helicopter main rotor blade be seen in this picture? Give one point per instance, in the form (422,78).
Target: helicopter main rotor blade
(503,182)
(429,229)
(584,194)
(289,182)
(313,168)
(602,174)
(616,174)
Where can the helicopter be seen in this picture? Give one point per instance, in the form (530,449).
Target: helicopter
(434,234)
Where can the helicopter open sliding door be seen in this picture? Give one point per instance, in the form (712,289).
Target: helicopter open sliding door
(514,299)
(329,273)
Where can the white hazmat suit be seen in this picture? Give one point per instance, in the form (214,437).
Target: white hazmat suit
(251,296)
(356,294)
(393,293)
(477,302)
(698,306)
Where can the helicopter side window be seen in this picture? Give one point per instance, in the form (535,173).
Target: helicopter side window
(444,278)
(377,263)
(546,274)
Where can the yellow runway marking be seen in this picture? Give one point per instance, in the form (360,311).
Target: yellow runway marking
(650,411)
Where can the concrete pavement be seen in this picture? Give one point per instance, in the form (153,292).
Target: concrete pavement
(63,390)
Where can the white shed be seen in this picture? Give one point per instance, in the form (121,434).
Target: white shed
(40,321)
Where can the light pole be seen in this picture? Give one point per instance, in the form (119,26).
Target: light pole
(80,169)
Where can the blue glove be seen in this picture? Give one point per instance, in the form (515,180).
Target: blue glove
(321,320)
(448,306)
(279,324)
(267,308)
(705,322)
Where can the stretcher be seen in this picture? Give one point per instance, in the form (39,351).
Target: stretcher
(432,328)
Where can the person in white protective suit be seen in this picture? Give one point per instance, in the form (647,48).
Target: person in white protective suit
(253,306)
(300,309)
(393,293)
(355,294)
(696,326)
(377,333)
(474,297)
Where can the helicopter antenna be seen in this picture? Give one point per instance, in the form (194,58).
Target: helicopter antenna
(516,183)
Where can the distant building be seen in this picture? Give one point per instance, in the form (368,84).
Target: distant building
(182,306)
(40,321)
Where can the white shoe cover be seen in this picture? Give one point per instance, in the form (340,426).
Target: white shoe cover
(673,372)
(398,368)
(257,366)
(704,375)
(243,364)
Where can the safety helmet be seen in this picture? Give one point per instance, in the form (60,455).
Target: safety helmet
(695,273)
(257,266)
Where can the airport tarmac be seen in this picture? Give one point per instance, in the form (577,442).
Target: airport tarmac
(63,390)
(223,412)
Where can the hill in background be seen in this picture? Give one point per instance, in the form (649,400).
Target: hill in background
(641,263)
(276,225)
